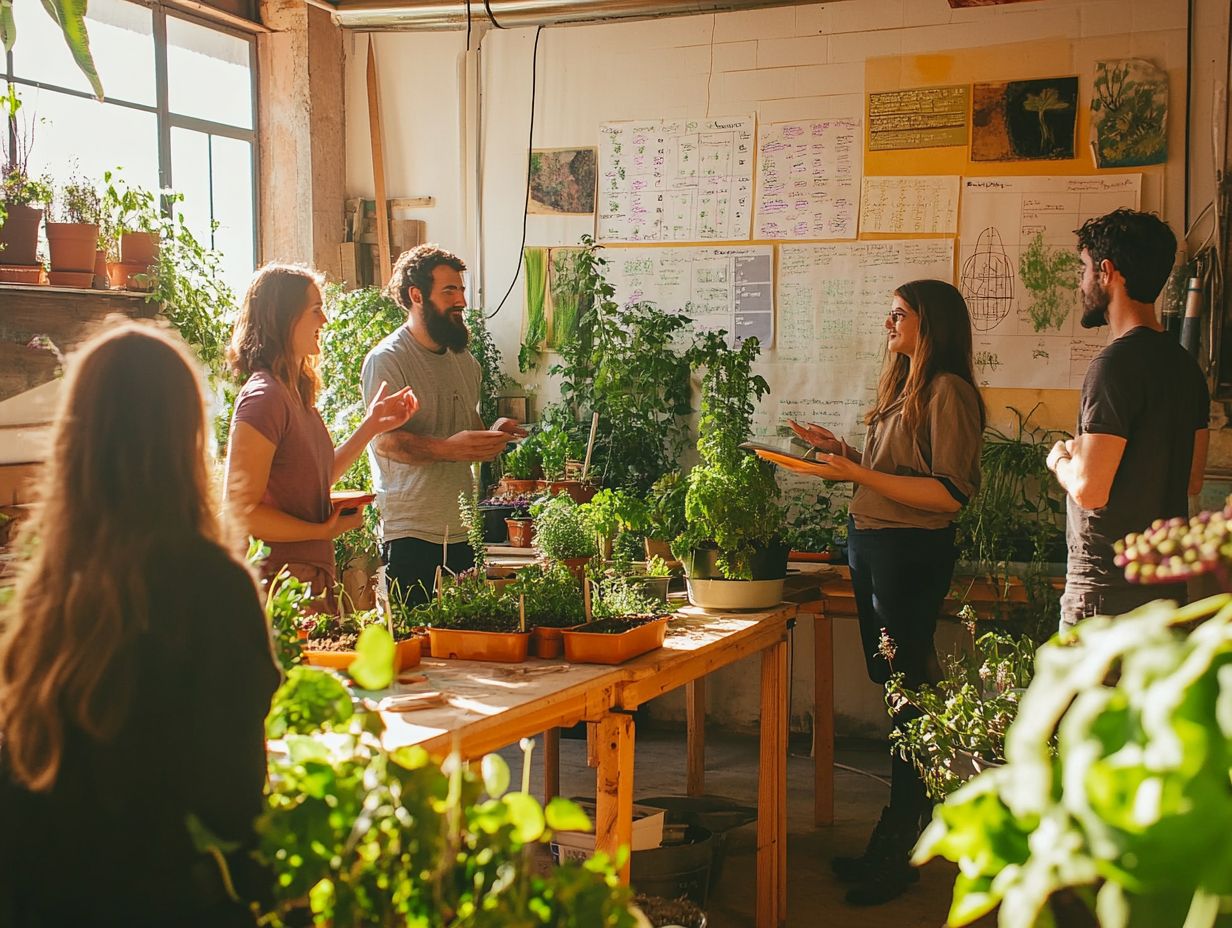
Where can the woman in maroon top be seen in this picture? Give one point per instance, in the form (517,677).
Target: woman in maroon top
(281,461)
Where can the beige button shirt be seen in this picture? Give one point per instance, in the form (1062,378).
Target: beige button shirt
(945,444)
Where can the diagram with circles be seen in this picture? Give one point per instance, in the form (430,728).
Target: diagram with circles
(1020,274)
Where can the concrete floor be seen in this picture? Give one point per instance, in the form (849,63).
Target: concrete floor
(814,897)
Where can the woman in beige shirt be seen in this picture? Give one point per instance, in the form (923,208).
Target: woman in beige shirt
(920,465)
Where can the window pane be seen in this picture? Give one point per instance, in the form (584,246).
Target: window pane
(215,175)
(121,40)
(208,74)
(73,135)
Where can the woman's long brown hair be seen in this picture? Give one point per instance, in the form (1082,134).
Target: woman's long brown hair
(943,346)
(276,297)
(126,474)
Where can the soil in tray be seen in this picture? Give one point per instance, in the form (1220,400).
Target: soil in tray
(345,642)
(616,626)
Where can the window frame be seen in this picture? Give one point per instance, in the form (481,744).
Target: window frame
(167,120)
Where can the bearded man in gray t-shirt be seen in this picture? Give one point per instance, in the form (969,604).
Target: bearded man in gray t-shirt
(419,470)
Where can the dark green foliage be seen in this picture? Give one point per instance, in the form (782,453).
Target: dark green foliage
(468,602)
(552,595)
(484,349)
(815,525)
(561,529)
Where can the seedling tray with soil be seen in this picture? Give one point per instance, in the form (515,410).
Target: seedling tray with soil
(615,640)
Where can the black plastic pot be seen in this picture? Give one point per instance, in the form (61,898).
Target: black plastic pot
(768,563)
(714,814)
(676,870)
(494,530)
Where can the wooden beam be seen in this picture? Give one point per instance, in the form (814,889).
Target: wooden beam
(771,789)
(614,787)
(378,166)
(551,764)
(823,719)
(695,700)
(411,202)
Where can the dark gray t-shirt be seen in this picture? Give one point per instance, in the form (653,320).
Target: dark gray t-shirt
(1145,388)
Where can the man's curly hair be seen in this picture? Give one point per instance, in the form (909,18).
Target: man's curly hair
(1139,245)
(414,269)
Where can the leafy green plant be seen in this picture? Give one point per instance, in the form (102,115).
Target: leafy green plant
(665,517)
(286,601)
(17,187)
(1130,815)
(555,448)
(621,597)
(472,521)
(551,595)
(77,200)
(125,208)
(617,514)
(70,16)
(522,461)
(814,524)
(483,347)
(561,529)
(732,501)
(657,567)
(625,364)
(469,602)
(964,717)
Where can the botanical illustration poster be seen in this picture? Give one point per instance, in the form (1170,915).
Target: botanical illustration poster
(1129,113)
(675,180)
(808,178)
(1024,120)
(1020,274)
(728,288)
(555,300)
(562,180)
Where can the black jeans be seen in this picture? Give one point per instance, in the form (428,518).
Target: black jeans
(410,566)
(900,577)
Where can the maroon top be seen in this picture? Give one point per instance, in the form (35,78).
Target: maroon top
(299,479)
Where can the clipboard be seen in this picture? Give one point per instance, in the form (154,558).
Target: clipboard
(777,455)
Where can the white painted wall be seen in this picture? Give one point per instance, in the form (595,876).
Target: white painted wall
(780,63)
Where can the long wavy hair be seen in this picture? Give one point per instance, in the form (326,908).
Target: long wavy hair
(276,297)
(127,474)
(943,346)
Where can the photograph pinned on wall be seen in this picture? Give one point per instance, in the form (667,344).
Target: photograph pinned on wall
(535,309)
(1024,120)
(568,297)
(1129,113)
(562,181)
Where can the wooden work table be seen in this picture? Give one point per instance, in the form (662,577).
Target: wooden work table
(490,705)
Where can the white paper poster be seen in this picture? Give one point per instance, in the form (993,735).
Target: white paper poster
(808,175)
(832,306)
(907,205)
(729,288)
(675,180)
(1020,274)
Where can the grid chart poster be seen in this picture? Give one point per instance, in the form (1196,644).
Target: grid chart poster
(1020,274)
(832,306)
(675,180)
(728,288)
(808,179)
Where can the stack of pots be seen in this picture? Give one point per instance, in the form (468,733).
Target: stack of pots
(19,237)
(74,252)
(138,256)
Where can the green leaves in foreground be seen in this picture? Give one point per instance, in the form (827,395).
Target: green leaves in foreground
(1132,815)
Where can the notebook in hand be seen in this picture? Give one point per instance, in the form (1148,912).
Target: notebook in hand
(776,454)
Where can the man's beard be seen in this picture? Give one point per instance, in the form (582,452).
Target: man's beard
(1094,307)
(443,330)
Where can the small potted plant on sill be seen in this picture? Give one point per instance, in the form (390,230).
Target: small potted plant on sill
(624,623)
(73,234)
(550,599)
(521,466)
(24,199)
(562,532)
(133,225)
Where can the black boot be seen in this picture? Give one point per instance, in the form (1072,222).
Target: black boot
(885,836)
(888,876)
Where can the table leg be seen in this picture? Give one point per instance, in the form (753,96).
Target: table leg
(592,751)
(772,789)
(823,720)
(614,786)
(551,764)
(695,699)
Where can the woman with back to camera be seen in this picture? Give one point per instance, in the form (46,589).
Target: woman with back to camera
(281,461)
(135,665)
(920,465)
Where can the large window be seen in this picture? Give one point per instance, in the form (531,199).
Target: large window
(180,113)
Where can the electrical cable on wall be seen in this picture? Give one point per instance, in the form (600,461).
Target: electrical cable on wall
(468,24)
(487,5)
(530,138)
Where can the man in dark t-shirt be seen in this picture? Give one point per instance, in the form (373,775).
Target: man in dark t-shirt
(1142,437)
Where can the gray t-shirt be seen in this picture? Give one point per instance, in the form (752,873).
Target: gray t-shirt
(945,444)
(420,500)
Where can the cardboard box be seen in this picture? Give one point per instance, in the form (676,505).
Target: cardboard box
(647,831)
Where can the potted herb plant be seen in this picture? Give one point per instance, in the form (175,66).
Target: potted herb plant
(134,227)
(521,467)
(550,599)
(331,639)
(72,239)
(625,623)
(557,451)
(732,549)
(472,620)
(562,532)
(24,199)
(613,513)
(665,518)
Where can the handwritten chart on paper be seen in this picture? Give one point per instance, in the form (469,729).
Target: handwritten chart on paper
(923,117)
(1020,274)
(675,180)
(903,205)
(832,305)
(808,175)
(718,288)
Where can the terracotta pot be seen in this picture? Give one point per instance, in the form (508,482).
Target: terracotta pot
(521,532)
(82,280)
(124,276)
(661,549)
(576,565)
(406,655)
(73,246)
(139,248)
(513,487)
(547,642)
(581,492)
(459,644)
(583,647)
(31,276)
(812,556)
(19,235)
(100,270)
